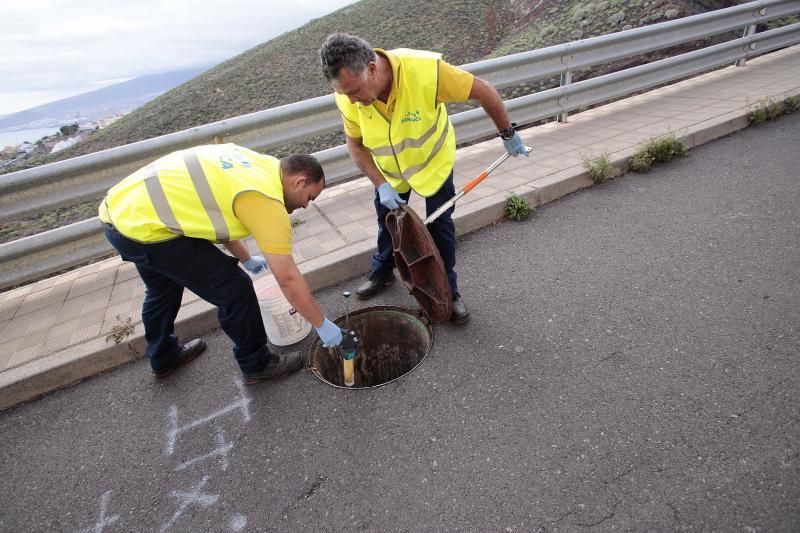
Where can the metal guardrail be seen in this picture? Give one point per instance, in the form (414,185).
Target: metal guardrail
(89,176)
(52,251)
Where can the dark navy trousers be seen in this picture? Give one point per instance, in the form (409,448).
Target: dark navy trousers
(198,265)
(443,231)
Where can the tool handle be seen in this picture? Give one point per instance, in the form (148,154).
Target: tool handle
(475,181)
(444,207)
(468,187)
(482,176)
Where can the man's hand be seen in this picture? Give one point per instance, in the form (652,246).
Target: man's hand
(330,334)
(515,146)
(255,265)
(389,197)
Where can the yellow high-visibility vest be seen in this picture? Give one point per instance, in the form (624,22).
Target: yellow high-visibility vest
(191,193)
(417,148)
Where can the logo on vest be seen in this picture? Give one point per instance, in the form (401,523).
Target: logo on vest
(411,116)
(228,162)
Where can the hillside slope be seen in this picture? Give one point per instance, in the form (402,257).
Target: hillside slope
(285,69)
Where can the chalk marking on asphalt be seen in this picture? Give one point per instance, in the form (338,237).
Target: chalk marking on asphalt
(222,451)
(188,498)
(172,434)
(103,521)
(238,522)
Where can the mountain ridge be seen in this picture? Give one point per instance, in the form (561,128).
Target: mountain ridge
(99,103)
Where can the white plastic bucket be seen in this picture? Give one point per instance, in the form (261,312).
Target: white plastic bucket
(283,323)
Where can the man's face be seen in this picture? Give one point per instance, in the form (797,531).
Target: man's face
(361,87)
(300,193)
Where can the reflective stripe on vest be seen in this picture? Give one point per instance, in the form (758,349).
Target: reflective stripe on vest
(408,143)
(160,203)
(410,171)
(203,189)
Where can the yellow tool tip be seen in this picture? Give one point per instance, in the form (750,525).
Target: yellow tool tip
(348,368)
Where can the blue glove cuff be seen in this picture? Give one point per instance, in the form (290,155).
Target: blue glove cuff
(329,333)
(388,196)
(255,264)
(515,146)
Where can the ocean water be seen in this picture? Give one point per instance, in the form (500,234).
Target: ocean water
(15,138)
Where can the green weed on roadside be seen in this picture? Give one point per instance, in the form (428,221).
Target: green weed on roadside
(641,162)
(767,109)
(657,150)
(517,207)
(599,168)
(119,331)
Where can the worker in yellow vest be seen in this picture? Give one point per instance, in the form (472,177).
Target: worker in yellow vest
(399,135)
(166,217)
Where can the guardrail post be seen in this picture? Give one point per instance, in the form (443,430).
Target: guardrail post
(748,31)
(566,79)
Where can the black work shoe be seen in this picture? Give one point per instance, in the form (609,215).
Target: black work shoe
(189,353)
(374,285)
(278,367)
(460,314)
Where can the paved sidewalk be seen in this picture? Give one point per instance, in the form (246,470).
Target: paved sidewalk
(56,332)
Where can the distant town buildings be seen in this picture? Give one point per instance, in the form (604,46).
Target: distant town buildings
(11,156)
(66,143)
(56,142)
(106,122)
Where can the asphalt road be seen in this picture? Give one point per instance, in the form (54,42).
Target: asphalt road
(631,365)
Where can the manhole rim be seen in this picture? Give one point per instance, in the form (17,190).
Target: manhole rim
(419,315)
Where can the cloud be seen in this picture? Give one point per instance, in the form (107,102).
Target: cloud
(53,49)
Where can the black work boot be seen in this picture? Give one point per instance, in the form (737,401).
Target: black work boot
(278,367)
(189,353)
(460,314)
(374,285)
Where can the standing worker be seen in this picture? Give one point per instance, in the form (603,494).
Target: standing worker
(166,217)
(399,135)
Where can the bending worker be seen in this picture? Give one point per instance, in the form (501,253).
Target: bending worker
(166,217)
(399,135)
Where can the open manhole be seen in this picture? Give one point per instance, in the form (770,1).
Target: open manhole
(392,341)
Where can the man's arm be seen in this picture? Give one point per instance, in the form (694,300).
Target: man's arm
(255,264)
(490,100)
(387,195)
(295,288)
(363,160)
(269,223)
(238,250)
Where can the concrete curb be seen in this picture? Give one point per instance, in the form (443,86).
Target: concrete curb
(80,362)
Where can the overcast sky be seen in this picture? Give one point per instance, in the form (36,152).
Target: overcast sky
(52,49)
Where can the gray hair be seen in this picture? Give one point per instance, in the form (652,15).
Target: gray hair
(341,50)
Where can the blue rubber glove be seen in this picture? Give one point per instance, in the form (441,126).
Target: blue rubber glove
(389,197)
(330,334)
(515,146)
(255,265)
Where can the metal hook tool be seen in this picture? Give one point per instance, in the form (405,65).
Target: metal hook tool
(468,187)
